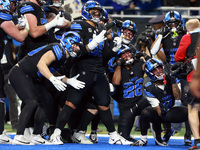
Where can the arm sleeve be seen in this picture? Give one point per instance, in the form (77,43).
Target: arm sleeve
(182,49)
(153,101)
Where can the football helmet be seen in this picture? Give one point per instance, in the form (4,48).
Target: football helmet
(69,38)
(5,4)
(151,65)
(90,5)
(173,17)
(130,25)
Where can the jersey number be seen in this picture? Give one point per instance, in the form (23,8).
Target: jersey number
(97,51)
(131,90)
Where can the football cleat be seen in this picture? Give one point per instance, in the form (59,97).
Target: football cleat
(187,139)
(139,143)
(37,139)
(5,139)
(195,147)
(28,132)
(93,137)
(158,140)
(79,137)
(117,139)
(21,140)
(56,138)
(168,134)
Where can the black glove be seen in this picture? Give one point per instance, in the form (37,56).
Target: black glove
(145,41)
(120,62)
(168,72)
(139,55)
(164,31)
(118,23)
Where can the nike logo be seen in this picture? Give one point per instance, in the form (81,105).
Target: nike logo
(77,140)
(6,141)
(23,142)
(41,142)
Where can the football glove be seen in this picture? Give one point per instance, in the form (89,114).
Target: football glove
(97,39)
(61,19)
(56,81)
(117,44)
(76,83)
(23,23)
(118,23)
(55,22)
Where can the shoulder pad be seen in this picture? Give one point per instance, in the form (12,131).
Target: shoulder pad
(76,26)
(58,51)
(5,15)
(26,7)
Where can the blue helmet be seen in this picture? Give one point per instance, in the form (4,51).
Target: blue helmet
(152,64)
(172,17)
(5,4)
(86,8)
(130,25)
(69,38)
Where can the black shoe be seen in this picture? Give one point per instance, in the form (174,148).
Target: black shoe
(139,143)
(93,137)
(168,134)
(194,147)
(187,139)
(160,142)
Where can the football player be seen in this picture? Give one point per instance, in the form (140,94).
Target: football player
(18,33)
(128,80)
(161,93)
(41,62)
(92,72)
(169,39)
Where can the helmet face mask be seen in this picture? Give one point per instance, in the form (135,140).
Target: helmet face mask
(127,56)
(69,41)
(154,69)
(92,6)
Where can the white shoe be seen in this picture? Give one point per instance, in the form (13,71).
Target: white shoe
(37,139)
(28,132)
(117,139)
(56,138)
(21,140)
(79,137)
(5,139)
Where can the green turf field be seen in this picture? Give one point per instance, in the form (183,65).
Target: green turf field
(102,130)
